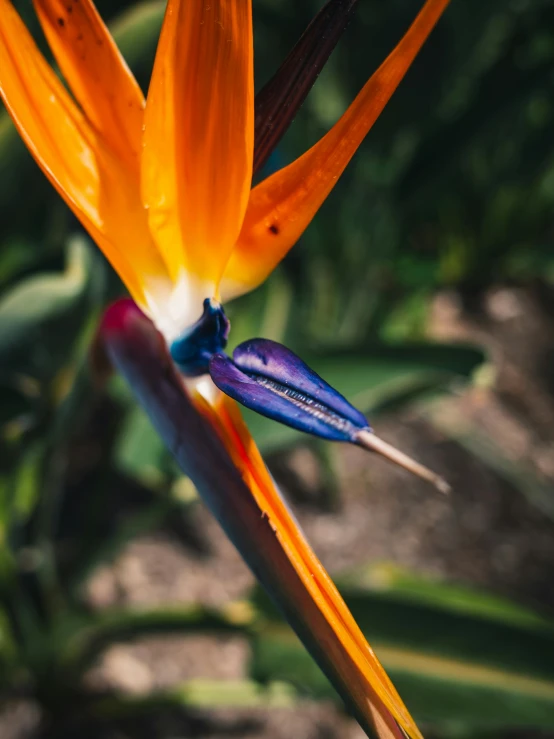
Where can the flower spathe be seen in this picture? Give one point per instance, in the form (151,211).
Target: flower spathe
(163,186)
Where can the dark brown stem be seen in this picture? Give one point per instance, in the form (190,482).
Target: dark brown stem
(279,100)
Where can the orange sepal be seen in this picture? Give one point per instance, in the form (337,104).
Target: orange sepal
(343,646)
(101,192)
(199,133)
(96,73)
(281,207)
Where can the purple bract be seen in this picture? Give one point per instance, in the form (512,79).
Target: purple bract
(270,379)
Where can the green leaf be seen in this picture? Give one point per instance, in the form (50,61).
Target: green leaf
(79,640)
(457,657)
(15,159)
(27,483)
(41,315)
(391,580)
(198,694)
(137,29)
(8,644)
(236,693)
(380,376)
(140,452)
(18,399)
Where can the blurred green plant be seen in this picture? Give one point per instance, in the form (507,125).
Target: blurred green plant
(454,187)
(465,661)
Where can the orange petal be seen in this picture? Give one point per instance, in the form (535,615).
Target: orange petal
(199,132)
(95,72)
(282,206)
(101,192)
(343,646)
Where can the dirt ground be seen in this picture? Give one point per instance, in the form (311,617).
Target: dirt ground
(486,533)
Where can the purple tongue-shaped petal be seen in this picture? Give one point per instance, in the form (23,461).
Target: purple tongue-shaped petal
(271,380)
(270,359)
(268,378)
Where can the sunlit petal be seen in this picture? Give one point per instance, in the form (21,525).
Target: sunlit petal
(198,139)
(102,193)
(281,207)
(95,72)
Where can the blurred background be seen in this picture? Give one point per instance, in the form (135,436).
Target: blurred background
(424,291)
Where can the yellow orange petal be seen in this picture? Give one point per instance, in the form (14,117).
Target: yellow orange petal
(96,73)
(319,601)
(282,206)
(198,138)
(102,193)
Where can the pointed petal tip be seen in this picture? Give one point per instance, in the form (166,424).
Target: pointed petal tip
(372,443)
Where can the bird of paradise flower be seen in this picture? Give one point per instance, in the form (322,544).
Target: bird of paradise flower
(163,186)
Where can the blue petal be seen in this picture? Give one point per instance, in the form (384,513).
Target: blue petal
(269,379)
(266,357)
(192,350)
